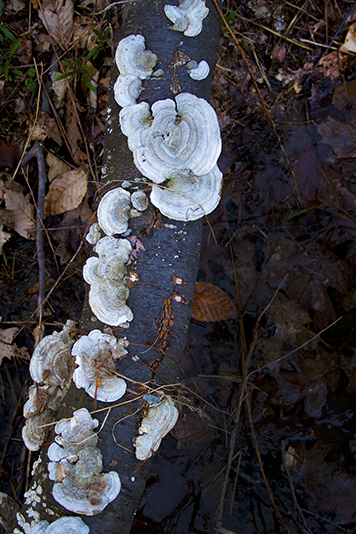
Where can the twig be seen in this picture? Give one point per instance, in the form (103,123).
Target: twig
(254,437)
(326,519)
(295,350)
(291,485)
(59,280)
(243,392)
(37,152)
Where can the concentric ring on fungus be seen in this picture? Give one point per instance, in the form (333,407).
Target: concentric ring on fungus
(180,136)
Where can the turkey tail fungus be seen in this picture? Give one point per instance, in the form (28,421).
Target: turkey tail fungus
(159,250)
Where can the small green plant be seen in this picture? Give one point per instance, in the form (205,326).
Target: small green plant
(230,19)
(5,64)
(102,40)
(30,81)
(85,70)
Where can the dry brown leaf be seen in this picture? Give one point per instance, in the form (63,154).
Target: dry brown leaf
(66,192)
(8,154)
(350,40)
(332,64)
(23,213)
(7,334)
(340,135)
(212,303)
(73,134)
(4,236)
(56,166)
(15,6)
(59,89)
(288,318)
(344,96)
(57,17)
(83,34)
(11,351)
(38,133)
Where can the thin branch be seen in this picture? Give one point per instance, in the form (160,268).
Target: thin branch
(291,485)
(37,152)
(254,437)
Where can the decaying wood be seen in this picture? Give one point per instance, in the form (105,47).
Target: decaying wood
(171,252)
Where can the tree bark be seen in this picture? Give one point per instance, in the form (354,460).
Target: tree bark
(171,248)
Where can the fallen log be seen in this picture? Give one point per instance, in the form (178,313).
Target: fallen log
(167,254)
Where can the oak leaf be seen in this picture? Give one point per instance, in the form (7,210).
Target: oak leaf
(66,192)
(212,303)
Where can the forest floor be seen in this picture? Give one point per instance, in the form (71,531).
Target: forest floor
(271,349)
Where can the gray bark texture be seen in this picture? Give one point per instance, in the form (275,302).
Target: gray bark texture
(171,247)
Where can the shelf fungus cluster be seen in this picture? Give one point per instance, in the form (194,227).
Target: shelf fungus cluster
(106,275)
(95,356)
(176,145)
(188,16)
(63,525)
(76,467)
(116,207)
(161,417)
(135,64)
(51,369)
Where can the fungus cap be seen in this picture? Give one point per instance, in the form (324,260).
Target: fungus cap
(34,433)
(127,89)
(132,57)
(76,467)
(183,136)
(106,276)
(94,234)
(188,16)
(186,197)
(95,355)
(139,200)
(114,211)
(67,525)
(200,71)
(160,419)
(51,359)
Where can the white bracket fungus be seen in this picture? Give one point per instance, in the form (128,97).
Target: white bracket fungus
(135,64)
(51,368)
(161,417)
(198,71)
(96,354)
(182,137)
(127,89)
(188,16)
(76,464)
(51,359)
(106,276)
(139,200)
(63,525)
(186,197)
(114,211)
(94,234)
(132,57)
(68,525)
